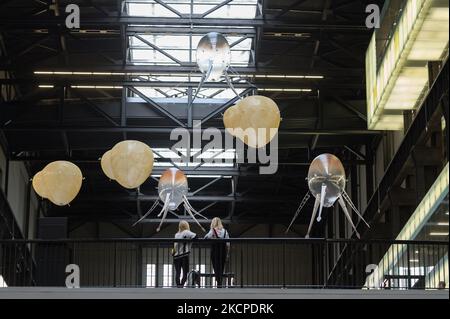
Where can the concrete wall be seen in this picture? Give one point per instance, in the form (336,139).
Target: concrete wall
(18,180)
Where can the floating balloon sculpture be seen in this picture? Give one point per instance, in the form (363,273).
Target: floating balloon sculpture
(326,182)
(254,120)
(129,163)
(172,190)
(59,182)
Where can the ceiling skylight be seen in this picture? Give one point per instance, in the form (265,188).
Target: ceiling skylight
(181,48)
(236,9)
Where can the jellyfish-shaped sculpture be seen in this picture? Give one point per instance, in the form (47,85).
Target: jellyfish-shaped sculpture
(213,56)
(326,182)
(172,191)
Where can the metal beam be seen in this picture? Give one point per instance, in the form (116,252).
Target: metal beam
(290,7)
(132,30)
(115,21)
(350,107)
(168,130)
(209,198)
(227,221)
(173,10)
(205,186)
(94,106)
(215,8)
(155,47)
(193,68)
(156,106)
(226,105)
(117,82)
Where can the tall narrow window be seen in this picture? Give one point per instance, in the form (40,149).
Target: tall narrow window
(202,269)
(167,276)
(150,275)
(2,282)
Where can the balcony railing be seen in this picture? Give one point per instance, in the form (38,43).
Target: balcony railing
(252,262)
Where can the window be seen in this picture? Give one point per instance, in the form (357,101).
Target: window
(182,47)
(150,275)
(236,9)
(179,47)
(207,158)
(2,282)
(167,275)
(202,269)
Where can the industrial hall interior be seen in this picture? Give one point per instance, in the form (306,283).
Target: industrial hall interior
(224,149)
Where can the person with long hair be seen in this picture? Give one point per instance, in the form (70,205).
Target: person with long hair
(219,251)
(181,253)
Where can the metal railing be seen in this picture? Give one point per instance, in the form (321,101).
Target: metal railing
(252,262)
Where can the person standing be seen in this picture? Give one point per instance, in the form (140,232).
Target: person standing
(219,251)
(181,253)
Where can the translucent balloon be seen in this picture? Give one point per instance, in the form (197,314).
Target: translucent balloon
(62,182)
(326,169)
(257,117)
(106,165)
(39,185)
(131,163)
(213,55)
(173,185)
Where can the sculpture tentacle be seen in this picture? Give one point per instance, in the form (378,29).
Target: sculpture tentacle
(349,201)
(316,207)
(297,212)
(322,201)
(188,209)
(347,214)
(164,211)
(147,213)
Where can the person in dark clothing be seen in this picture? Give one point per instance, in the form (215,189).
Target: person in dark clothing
(219,251)
(181,253)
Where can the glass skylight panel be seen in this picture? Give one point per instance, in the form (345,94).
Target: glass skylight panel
(235,12)
(191,165)
(218,153)
(182,47)
(236,9)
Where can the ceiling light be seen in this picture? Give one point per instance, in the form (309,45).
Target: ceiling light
(439,234)
(284,90)
(97,87)
(414,260)
(442,224)
(46,86)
